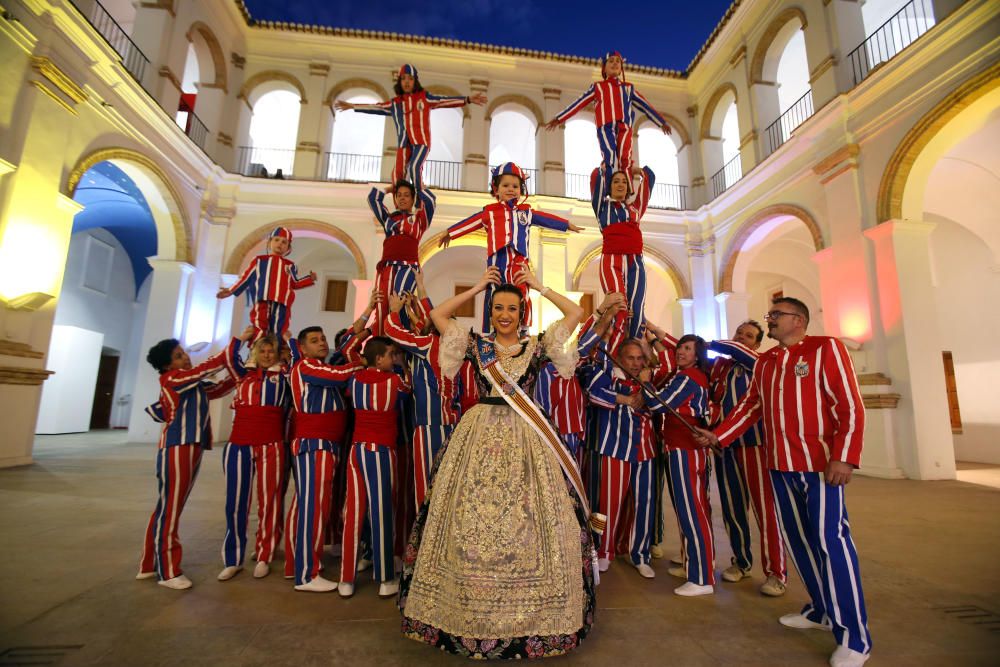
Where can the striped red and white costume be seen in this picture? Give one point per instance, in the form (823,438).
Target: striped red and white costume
(808,397)
(508,226)
(319,429)
(622,267)
(371,471)
(270,283)
(255,452)
(741,470)
(187,430)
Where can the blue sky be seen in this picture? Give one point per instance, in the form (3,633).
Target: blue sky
(659,34)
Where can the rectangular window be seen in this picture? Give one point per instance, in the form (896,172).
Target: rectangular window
(467,309)
(952,390)
(336,296)
(97,265)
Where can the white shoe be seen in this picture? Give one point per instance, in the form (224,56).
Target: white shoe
(656,551)
(691,589)
(261,570)
(847,657)
(678,571)
(146,575)
(645,570)
(773,587)
(364,564)
(676,560)
(735,573)
(317,585)
(800,622)
(229,572)
(603,564)
(388,589)
(345,589)
(178,583)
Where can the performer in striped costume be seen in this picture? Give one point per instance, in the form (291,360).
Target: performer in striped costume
(615,102)
(508,224)
(319,429)
(255,451)
(396,271)
(807,394)
(741,469)
(622,267)
(371,469)
(411,110)
(270,283)
(187,430)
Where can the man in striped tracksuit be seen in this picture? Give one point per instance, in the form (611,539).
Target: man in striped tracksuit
(319,428)
(187,431)
(371,468)
(396,271)
(741,469)
(615,102)
(807,394)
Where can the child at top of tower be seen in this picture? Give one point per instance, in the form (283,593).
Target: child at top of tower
(507,223)
(615,101)
(411,110)
(270,282)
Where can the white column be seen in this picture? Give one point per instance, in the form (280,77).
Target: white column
(164,319)
(553,149)
(733,310)
(908,320)
(476,142)
(687,316)
(202,315)
(701,259)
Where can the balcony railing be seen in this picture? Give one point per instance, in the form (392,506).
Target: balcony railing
(266,162)
(132,58)
(668,195)
(196,129)
(353,168)
(723,179)
(905,26)
(532,175)
(778,132)
(578,186)
(442,174)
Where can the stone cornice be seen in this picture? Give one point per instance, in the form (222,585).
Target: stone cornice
(23,376)
(10,348)
(880,401)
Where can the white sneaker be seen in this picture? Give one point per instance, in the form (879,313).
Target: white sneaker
(656,551)
(603,564)
(388,589)
(178,583)
(317,585)
(691,589)
(146,575)
(261,570)
(735,573)
(800,622)
(345,589)
(676,560)
(847,657)
(364,564)
(645,570)
(678,571)
(229,572)
(773,587)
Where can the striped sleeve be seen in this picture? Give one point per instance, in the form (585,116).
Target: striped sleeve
(598,190)
(234,363)
(444,102)
(746,413)
(643,105)
(641,202)
(246,279)
(581,102)
(738,352)
(416,344)
(601,387)
(467,226)
(376,202)
(549,221)
(376,109)
(840,383)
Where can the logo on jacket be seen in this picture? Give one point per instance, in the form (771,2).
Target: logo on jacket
(522,217)
(801,368)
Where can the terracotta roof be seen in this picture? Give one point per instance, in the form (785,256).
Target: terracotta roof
(711,38)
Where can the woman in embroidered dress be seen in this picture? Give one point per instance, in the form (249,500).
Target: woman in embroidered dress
(500,560)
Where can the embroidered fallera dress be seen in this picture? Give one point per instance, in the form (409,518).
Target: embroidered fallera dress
(499,561)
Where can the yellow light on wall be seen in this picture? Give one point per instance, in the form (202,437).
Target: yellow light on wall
(32,258)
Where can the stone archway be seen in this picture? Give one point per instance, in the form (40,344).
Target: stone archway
(239,256)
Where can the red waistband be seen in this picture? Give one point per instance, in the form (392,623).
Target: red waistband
(400,248)
(622,238)
(322,425)
(258,425)
(379,427)
(678,436)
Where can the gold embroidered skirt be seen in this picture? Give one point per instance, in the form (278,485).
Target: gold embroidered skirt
(500,553)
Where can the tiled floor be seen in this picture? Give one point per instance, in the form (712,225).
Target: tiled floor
(71,525)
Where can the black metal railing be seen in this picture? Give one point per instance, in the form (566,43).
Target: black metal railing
(778,132)
(196,129)
(532,175)
(443,174)
(266,162)
(353,168)
(723,179)
(668,195)
(901,30)
(133,59)
(578,186)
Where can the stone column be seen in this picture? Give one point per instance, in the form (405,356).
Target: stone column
(308,162)
(913,347)
(164,319)
(845,31)
(152,32)
(687,317)
(764,97)
(201,323)
(553,148)
(733,310)
(476,142)
(701,259)
(712,162)
(234,124)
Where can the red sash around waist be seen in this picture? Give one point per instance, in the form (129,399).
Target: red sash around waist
(323,425)
(678,436)
(258,425)
(379,427)
(622,238)
(400,248)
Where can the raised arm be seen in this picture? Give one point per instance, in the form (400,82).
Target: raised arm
(242,283)
(643,105)
(376,108)
(463,227)
(645,190)
(299,283)
(599,182)
(738,352)
(428,204)
(574,108)
(376,202)
(442,314)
